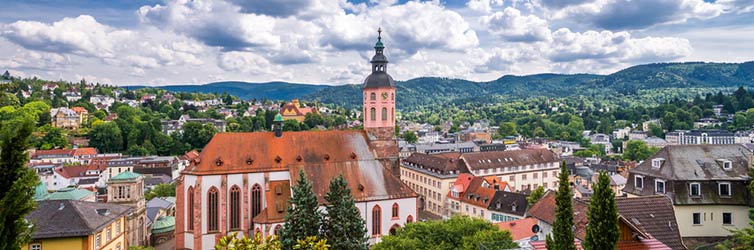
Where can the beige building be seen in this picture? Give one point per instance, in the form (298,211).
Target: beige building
(432,177)
(127,189)
(707,184)
(524,169)
(68,118)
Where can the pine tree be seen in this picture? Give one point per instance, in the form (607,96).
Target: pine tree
(342,225)
(562,228)
(17,184)
(602,231)
(303,218)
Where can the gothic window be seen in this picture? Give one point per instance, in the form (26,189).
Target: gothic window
(372,96)
(392,114)
(384,114)
(373,115)
(235,208)
(212,207)
(410,219)
(376,220)
(256,200)
(395,210)
(190,213)
(392,96)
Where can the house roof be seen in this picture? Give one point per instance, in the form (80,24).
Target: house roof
(653,215)
(71,171)
(84,151)
(478,195)
(641,244)
(128,175)
(59,219)
(520,229)
(164,224)
(161,202)
(41,192)
(461,184)
(437,162)
(544,210)
(513,158)
(507,201)
(68,193)
(698,162)
(79,110)
(52,152)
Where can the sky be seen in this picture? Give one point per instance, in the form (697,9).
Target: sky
(162,42)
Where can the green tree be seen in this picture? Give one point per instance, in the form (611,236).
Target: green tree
(602,231)
(54,138)
(17,183)
(233,242)
(291,125)
(303,218)
(507,129)
(458,232)
(561,237)
(410,137)
(161,190)
(535,195)
(342,225)
(638,151)
(311,243)
(198,135)
(106,137)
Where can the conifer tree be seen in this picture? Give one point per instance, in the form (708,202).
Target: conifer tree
(561,237)
(602,230)
(17,184)
(303,218)
(342,225)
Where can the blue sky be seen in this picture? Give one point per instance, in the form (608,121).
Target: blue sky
(157,42)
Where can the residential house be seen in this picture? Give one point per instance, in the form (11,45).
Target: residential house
(637,135)
(522,231)
(621,133)
(49,86)
(67,156)
(72,225)
(82,113)
(706,183)
(172,126)
(65,118)
(487,198)
(524,169)
(432,177)
(644,223)
(294,111)
(102,101)
(72,95)
(602,139)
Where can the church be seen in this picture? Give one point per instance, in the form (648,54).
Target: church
(241,182)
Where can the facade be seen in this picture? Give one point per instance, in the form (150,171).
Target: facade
(707,123)
(706,183)
(524,169)
(432,177)
(127,189)
(241,182)
(486,198)
(294,111)
(682,137)
(65,156)
(65,118)
(73,225)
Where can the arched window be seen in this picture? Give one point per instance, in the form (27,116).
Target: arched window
(256,200)
(384,114)
(190,201)
(392,96)
(373,114)
(394,229)
(235,208)
(212,207)
(395,210)
(392,114)
(372,96)
(276,231)
(376,220)
(409,219)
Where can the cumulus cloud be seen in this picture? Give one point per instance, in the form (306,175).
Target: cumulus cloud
(608,46)
(483,5)
(283,8)
(511,25)
(246,62)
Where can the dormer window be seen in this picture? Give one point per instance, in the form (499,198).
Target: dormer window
(660,186)
(724,189)
(639,182)
(695,189)
(727,165)
(657,162)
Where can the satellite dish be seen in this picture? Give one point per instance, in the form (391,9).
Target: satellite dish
(535,229)
(535,238)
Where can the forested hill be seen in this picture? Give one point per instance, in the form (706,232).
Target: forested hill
(425,91)
(247,90)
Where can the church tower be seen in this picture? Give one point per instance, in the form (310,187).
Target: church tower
(379,96)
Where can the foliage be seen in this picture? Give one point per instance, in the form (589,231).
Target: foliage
(562,237)
(535,195)
(106,137)
(602,231)
(197,135)
(233,242)
(53,138)
(410,137)
(342,225)
(507,129)
(311,243)
(17,182)
(161,190)
(303,218)
(638,151)
(458,232)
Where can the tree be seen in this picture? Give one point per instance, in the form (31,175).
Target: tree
(535,195)
(458,232)
(311,243)
(198,135)
(410,137)
(342,225)
(303,218)
(161,190)
(291,125)
(54,138)
(17,183)
(507,128)
(106,137)
(602,231)
(233,242)
(638,151)
(561,237)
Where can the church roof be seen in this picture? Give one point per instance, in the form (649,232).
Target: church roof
(68,193)
(164,224)
(128,175)
(379,79)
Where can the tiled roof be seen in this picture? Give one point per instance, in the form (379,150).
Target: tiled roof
(544,210)
(507,201)
(441,163)
(79,110)
(461,184)
(496,159)
(84,151)
(642,244)
(520,229)
(71,171)
(128,175)
(653,215)
(477,195)
(698,162)
(58,219)
(38,153)
(72,194)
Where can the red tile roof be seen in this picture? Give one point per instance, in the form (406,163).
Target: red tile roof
(84,151)
(544,210)
(512,158)
(642,244)
(461,184)
(79,110)
(477,195)
(72,171)
(520,229)
(37,153)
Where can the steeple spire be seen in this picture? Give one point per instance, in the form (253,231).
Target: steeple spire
(379,61)
(379,40)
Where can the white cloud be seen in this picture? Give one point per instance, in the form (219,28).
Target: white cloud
(512,26)
(610,47)
(483,5)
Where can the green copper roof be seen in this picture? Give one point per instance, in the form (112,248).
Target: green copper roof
(379,44)
(126,176)
(70,194)
(278,118)
(164,224)
(41,192)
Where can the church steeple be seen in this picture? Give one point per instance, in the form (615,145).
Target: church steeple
(379,61)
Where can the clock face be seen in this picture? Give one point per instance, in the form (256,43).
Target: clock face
(384,95)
